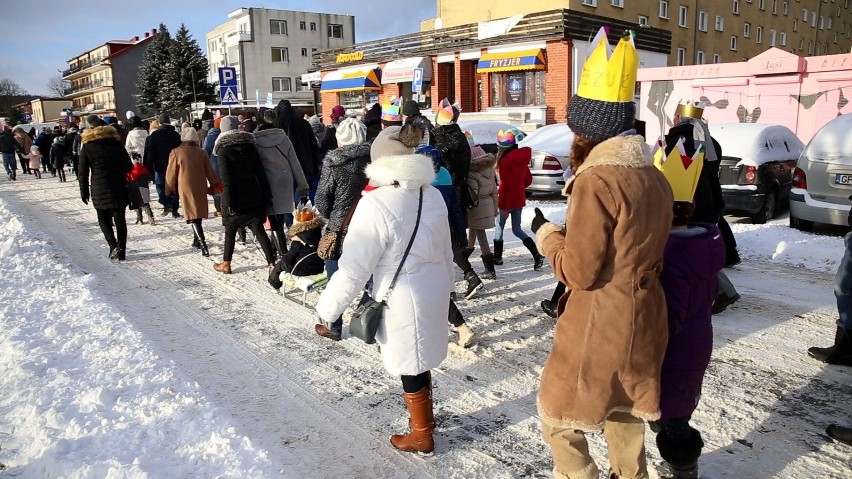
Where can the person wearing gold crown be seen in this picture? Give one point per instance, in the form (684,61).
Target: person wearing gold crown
(695,254)
(604,369)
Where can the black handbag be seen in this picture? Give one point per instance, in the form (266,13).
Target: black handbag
(367,317)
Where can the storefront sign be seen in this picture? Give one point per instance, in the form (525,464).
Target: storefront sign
(515,89)
(350,57)
(523,60)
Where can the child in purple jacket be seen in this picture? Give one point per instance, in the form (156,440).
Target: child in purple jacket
(695,253)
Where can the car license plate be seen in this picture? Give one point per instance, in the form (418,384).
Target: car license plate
(842,179)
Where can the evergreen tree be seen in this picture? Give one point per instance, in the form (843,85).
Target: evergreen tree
(152,72)
(186,74)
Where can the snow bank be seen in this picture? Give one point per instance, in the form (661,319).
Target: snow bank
(778,243)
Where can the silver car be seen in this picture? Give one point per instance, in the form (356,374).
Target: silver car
(822,180)
(551,147)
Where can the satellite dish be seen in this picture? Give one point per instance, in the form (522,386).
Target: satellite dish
(439,24)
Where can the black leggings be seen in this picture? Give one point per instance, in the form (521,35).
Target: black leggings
(257,230)
(557,293)
(455,317)
(413,384)
(106,219)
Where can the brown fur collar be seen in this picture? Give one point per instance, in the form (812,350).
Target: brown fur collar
(487,161)
(317,222)
(99,133)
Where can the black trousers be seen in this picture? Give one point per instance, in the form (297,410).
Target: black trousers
(107,218)
(460,259)
(413,384)
(256,225)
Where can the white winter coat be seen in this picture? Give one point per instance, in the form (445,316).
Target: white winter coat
(136,141)
(413,334)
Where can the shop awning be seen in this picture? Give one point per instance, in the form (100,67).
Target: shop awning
(511,61)
(400,71)
(353,79)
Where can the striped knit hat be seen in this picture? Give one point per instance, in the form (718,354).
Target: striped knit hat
(351,132)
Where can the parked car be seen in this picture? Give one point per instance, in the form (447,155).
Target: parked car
(756,169)
(551,147)
(822,180)
(485,132)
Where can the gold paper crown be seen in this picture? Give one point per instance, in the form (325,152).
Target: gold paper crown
(680,170)
(690,110)
(610,78)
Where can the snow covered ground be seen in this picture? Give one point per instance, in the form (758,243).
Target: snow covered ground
(160,367)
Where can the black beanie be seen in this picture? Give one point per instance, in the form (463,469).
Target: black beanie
(598,120)
(411,108)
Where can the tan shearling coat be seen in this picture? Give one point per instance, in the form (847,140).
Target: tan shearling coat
(188,175)
(481,179)
(610,339)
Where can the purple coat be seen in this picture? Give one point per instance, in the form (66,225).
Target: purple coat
(689,281)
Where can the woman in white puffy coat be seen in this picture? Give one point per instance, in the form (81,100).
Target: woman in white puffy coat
(135,142)
(413,334)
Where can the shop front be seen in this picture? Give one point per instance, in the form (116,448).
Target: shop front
(356,87)
(517,79)
(402,74)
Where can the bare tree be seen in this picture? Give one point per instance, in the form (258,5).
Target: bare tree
(57,86)
(10,94)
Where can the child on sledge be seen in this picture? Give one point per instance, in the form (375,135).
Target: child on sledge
(301,258)
(35,160)
(142,177)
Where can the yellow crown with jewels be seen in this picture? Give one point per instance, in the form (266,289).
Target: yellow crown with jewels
(689,109)
(681,170)
(610,77)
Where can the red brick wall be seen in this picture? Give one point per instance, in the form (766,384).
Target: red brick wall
(329,100)
(389,91)
(485,78)
(558,80)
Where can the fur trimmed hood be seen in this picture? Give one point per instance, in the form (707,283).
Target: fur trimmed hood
(316,223)
(409,171)
(231,138)
(347,153)
(487,161)
(99,133)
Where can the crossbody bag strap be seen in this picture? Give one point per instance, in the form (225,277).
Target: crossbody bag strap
(344,225)
(407,249)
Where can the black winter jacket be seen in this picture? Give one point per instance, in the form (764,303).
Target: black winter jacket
(455,155)
(43,141)
(103,155)
(341,181)
(7,142)
(709,204)
(158,147)
(247,192)
(301,135)
(58,153)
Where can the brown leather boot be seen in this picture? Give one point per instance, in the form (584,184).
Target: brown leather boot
(422,424)
(223,267)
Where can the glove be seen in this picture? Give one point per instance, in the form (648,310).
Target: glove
(538,221)
(304,199)
(85,198)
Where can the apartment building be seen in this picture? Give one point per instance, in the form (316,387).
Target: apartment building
(703,31)
(103,79)
(272,49)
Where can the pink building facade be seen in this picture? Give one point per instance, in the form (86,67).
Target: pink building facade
(775,87)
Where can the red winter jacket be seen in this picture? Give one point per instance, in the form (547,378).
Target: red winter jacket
(139,174)
(515,176)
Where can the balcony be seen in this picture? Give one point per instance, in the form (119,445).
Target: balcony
(87,108)
(83,65)
(232,38)
(90,85)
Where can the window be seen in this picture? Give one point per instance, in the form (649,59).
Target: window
(302,86)
(699,57)
(771,38)
(795,25)
(761,4)
(813,19)
(278,27)
(818,48)
(681,16)
(734,42)
(313,50)
(747,30)
(759,35)
(618,3)
(590,3)
(664,9)
(774,7)
(736,7)
(783,39)
(304,52)
(280,54)
(784,9)
(835,37)
(810,47)
(302,25)
(643,20)
(720,23)
(829,23)
(804,14)
(801,44)
(717,58)
(281,84)
(517,88)
(702,21)
(335,31)
(313,26)
(681,56)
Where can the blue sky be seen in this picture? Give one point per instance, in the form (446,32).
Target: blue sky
(36,38)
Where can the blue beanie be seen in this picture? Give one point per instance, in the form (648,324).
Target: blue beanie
(433,153)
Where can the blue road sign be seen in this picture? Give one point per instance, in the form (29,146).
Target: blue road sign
(228,86)
(417,81)
(28,118)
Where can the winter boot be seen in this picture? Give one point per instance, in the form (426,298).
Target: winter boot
(195,243)
(538,260)
(422,422)
(466,336)
(241,236)
(840,353)
(279,242)
(166,211)
(488,261)
(139,217)
(150,213)
(840,433)
(723,301)
(223,267)
(199,235)
(474,284)
(549,308)
(498,252)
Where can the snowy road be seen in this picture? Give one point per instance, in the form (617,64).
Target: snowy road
(282,402)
